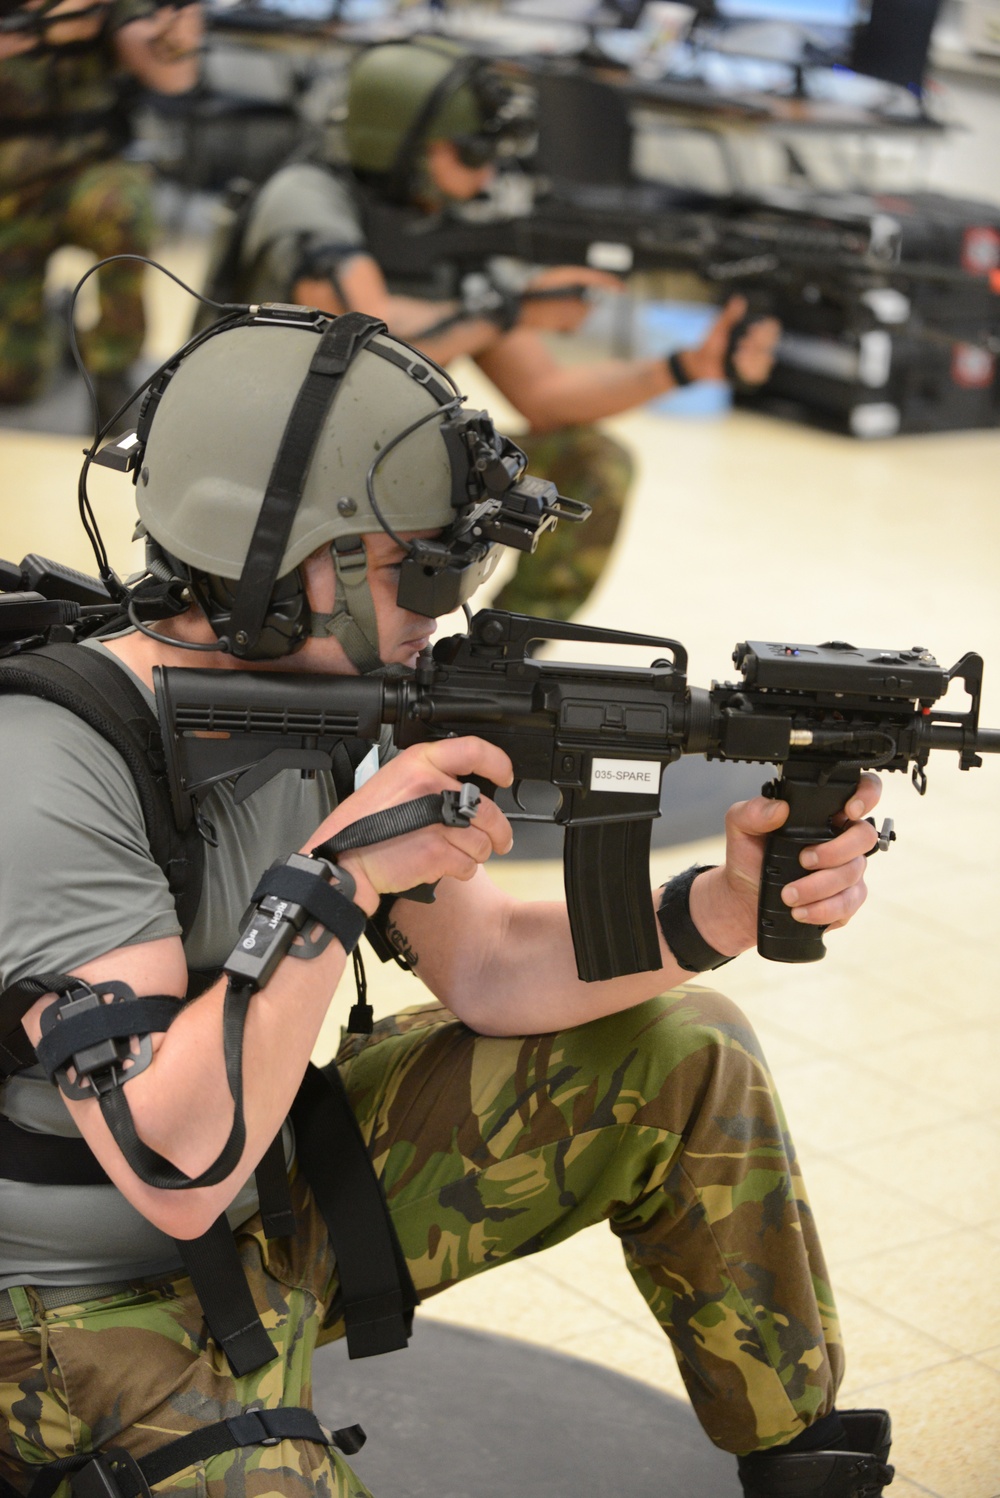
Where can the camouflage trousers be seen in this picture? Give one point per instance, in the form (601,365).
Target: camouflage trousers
(661,1121)
(106,208)
(584,463)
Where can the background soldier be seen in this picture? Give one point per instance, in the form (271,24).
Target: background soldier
(63,68)
(425,125)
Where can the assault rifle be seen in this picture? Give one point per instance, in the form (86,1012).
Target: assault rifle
(602,736)
(828,260)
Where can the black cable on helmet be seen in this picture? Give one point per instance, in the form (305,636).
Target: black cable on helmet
(445,409)
(230,310)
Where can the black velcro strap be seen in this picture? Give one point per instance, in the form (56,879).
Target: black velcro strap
(255,1428)
(417,369)
(378,1293)
(47,1159)
(16,1053)
(343,338)
(273,1195)
(154,1168)
(109,1022)
(394,821)
(323,901)
(16,1050)
(213,1262)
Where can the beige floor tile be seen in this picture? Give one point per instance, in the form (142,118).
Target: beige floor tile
(953,1168)
(833,1103)
(518,1301)
(990,1356)
(38,504)
(592,1264)
(631,1351)
(902,1487)
(946,1437)
(857,1217)
(944,1286)
(937,1063)
(879,1348)
(831,1008)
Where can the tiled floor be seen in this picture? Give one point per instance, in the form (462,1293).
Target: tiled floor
(888,1053)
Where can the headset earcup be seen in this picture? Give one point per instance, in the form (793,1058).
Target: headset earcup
(286,623)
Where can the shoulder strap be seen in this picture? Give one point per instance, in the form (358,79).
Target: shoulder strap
(94,688)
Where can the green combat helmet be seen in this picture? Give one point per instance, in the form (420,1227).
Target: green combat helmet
(403,94)
(286,430)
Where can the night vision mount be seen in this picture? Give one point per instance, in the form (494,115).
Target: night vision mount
(497,504)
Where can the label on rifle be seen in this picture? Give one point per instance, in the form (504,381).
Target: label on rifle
(639,775)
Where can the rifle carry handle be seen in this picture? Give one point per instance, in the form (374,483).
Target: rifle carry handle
(812,802)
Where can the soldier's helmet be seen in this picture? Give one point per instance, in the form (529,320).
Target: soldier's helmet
(287,431)
(401,95)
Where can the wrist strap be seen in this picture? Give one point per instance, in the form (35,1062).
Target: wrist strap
(690,949)
(331,906)
(678,373)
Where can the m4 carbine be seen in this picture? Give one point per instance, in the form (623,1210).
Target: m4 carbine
(824,265)
(601,735)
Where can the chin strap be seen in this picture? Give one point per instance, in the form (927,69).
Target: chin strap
(353,620)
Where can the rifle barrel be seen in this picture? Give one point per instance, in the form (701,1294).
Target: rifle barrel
(953,736)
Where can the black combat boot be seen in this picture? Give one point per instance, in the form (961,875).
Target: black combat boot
(855,1468)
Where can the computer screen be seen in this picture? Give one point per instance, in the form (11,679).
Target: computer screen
(886,39)
(833,13)
(894,42)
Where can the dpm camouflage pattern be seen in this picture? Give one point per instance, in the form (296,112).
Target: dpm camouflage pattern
(62,106)
(661,1120)
(583,462)
(107,208)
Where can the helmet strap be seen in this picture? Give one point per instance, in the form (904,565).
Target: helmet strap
(341,341)
(398,181)
(353,620)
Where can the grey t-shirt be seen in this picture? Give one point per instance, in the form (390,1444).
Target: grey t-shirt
(77,880)
(304,214)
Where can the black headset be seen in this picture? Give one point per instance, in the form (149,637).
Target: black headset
(474,150)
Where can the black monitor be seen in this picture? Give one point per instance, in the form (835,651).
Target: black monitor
(894,41)
(622,13)
(887,39)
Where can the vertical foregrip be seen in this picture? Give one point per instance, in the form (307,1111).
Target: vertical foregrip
(812,801)
(606,871)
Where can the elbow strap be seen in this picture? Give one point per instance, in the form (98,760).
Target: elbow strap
(97,1043)
(96,1037)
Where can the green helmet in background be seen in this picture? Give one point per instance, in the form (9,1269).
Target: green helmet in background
(401,95)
